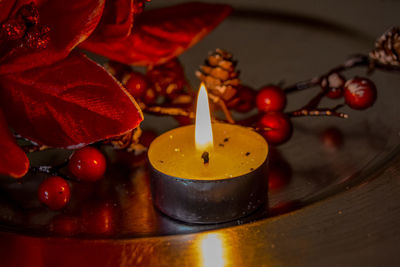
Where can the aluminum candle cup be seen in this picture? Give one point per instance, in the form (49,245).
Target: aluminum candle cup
(225,183)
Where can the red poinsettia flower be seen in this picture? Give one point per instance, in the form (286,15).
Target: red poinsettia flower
(58,97)
(158,35)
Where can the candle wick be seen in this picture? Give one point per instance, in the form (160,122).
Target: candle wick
(206,158)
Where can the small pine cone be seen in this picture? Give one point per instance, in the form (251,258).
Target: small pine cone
(387,48)
(219,75)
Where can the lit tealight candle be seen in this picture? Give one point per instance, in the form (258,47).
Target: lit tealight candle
(208,173)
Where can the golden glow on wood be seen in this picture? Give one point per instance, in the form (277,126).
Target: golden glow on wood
(203,132)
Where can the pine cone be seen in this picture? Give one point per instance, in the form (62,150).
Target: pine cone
(387,48)
(219,75)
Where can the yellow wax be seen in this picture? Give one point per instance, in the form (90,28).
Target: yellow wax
(237,151)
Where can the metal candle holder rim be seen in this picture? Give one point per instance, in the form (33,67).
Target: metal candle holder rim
(231,198)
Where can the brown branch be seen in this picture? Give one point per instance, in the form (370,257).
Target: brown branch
(137,148)
(226,111)
(311,108)
(51,170)
(314,102)
(302,85)
(221,103)
(33,148)
(318,112)
(183,99)
(354,61)
(169,111)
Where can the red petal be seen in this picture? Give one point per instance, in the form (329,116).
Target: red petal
(117,20)
(5,8)
(13,161)
(70,22)
(161,34)
(71,103)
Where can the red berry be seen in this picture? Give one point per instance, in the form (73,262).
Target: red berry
(246,101)
(271,98)
(136,84)
(334,84)
(335,93)
(280,127)
(359,93)
(150,97)
(87,164)
(54,192)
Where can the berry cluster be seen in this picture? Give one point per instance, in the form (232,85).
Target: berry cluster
(86,164)
(165,84)
(275,126)
(359,93)
(162,83)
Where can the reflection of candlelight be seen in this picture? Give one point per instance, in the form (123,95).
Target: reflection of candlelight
(212,251)
(140,216)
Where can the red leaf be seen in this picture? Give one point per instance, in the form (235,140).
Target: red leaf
(71,103)
(13,161)
(70,22)
(161,34)
(117,20)
(5,8)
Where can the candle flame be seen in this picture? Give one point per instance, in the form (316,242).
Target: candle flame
(203,130)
